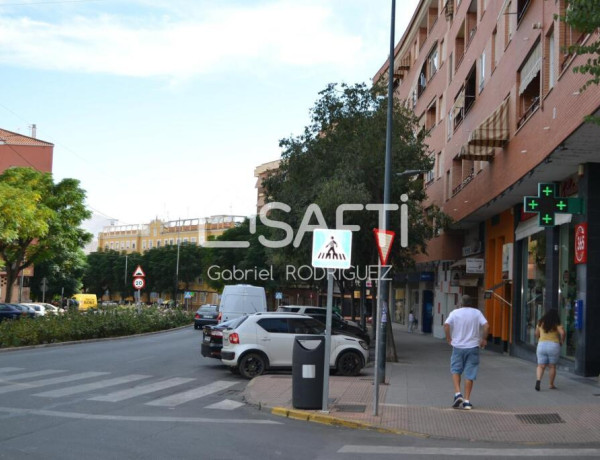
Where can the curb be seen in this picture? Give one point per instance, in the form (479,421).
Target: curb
(335,421)
(76,342)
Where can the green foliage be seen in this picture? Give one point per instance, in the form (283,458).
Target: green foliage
(584,16)
(39,220)
(84,326)
(340,159)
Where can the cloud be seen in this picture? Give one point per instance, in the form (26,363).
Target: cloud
(211,41)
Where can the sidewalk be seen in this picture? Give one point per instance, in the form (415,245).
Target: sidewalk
(418,393)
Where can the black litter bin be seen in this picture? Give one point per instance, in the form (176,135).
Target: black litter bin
(308,360)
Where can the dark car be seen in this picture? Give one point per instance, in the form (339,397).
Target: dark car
(205,315)
(212,337)
(339,325)
(13,311)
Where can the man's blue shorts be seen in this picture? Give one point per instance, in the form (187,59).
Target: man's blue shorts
(465,360)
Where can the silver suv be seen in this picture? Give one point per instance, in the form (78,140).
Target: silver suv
(265,341)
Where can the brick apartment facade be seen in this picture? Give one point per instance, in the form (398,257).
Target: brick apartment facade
(493,84)
(17,150)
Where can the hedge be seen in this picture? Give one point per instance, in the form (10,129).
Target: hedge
(93,325)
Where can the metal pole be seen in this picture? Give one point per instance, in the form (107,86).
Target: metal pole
(325,405)
(377,345)
(125,277)
(382,286)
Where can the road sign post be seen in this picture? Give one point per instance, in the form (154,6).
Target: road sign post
(331,250)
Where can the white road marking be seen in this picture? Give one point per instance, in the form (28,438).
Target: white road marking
(469,452)
(141,390)
(226,404)
(4,370)
(91,386)
(180,398)
(53,381)
(125,418)
(27,375)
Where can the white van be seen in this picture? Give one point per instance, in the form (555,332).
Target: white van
(241,299)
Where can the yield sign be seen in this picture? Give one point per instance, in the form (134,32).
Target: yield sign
(138,273)
(384,239)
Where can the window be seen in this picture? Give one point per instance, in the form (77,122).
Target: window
(450,68)
(171,241)
(508,24)
(275,325)
(306,326)
(568,36)
(150,244)
(521,9)
(194,239)
(430,116)
(470,90)
(133,245)
(551,61)
(448,186)
(422,83)
(496,51)
(122,244)
(158,243)
(127,245)
(143,245)
(438,163)
(529,86)
(459,46)
(433,61)
(481,71)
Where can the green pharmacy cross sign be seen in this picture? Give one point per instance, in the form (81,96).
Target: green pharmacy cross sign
(547,204)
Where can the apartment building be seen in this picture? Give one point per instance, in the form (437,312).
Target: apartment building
(17,150)
(143,237)
(262,172)
(494,84)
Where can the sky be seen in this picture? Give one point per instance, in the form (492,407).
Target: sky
(164,108)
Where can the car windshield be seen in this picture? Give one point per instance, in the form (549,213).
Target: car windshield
(207,309)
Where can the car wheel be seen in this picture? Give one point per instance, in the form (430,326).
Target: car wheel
(349,364)
(252,365)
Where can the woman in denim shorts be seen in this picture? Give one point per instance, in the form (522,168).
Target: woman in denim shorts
(550,335)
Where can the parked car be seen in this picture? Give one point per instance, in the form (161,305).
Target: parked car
(8,311)
(52,309)
(212,337)
(266,340)
(206,314)
(40,310)
(24,309)
(338,323)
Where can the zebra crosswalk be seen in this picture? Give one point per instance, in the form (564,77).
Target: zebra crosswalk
(101,387)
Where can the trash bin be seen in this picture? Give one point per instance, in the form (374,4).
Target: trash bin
(307,372)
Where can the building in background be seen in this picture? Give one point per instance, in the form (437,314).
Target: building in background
(143,237)
(494,85)
(17,150)
(261,173)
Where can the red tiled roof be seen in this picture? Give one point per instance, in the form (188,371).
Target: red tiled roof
(8,137)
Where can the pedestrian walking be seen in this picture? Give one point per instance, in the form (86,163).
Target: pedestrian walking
(550,335)
(411,321)
(466,330)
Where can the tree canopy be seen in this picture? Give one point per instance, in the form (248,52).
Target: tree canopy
(39,219)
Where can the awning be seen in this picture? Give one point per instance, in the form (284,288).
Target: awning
(531,227)
(531,68)
(491,133)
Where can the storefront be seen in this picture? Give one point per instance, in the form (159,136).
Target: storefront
(554,267)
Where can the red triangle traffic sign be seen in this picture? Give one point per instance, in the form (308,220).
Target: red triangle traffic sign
(384,240)
(139,272)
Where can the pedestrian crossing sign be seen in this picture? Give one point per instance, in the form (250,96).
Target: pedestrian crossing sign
(331,248)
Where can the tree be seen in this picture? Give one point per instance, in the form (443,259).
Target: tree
(39,220)
(63,274)
(584,16)
(340,159)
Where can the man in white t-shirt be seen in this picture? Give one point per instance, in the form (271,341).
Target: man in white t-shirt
(466,330)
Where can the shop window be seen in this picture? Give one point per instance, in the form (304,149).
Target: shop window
(534,285)
(567,291)
(529,85)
